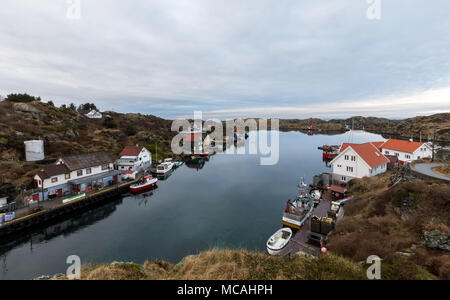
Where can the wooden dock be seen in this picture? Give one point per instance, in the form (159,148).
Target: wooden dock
(54,209)
(299,242)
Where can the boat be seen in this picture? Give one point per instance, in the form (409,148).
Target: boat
(299,210)
(165,167)
(329,152)
(278,241)
(144,184)
(178,164)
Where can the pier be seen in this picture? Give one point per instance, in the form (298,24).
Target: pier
(299,242)
(53,209)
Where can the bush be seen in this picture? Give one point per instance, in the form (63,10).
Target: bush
(24,98)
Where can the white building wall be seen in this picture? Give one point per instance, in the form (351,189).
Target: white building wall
(73,175)
(347,169)
(421,152)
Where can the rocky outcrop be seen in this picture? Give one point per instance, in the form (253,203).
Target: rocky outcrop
(437,240)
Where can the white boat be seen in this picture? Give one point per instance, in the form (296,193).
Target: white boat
(146,183)
(165,167)
(278,241)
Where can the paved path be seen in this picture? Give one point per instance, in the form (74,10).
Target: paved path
(426,169)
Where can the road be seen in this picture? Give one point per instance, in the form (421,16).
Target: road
(426,169)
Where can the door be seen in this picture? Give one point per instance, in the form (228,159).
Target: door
(115,179)
(59,193)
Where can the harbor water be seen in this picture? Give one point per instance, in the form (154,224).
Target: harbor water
(230,201)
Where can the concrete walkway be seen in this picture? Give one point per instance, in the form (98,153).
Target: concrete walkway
(427,169)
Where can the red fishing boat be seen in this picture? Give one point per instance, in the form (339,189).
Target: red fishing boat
(329,152)
(146,183)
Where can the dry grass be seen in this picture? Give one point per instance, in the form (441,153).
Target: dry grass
(232,265)
(443,170)
(374,225)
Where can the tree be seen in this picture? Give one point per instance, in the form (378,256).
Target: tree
(109,122)
(51,103)
(24,98)
(86,107)
(72,107)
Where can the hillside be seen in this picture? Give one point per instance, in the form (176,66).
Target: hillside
(240,265)
(411,127)
(409,221)
(65,132)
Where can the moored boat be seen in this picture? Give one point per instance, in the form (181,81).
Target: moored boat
(146,183)
(299,210)
(165,167)
(278,241)
(178,164)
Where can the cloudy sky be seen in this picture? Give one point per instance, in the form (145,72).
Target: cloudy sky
(230,58)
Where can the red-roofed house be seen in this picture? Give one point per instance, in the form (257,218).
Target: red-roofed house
(406,151)
(358,161)
(134,158)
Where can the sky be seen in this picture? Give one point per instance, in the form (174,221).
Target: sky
(231,58)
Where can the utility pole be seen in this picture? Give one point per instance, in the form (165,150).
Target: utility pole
(433,141)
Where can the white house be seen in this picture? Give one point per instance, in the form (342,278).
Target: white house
(93,114)
(406,151)
(134,158)
(75,174)
(358,161)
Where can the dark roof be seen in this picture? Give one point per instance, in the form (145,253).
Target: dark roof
(52,170)
(131,151)
(83,161)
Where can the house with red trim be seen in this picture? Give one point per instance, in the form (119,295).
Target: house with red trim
(358,161)
(75,174)
(406,151)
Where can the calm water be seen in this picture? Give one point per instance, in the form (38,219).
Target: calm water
(231,202)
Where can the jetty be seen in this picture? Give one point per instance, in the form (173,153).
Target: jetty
(50,210)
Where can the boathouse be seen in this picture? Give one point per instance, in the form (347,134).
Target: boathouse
(75,174)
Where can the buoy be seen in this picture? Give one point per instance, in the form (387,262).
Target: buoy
(324,250)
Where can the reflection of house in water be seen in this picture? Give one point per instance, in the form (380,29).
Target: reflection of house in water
(66,227)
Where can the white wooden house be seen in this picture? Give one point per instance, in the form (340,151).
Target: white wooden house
(406,151)
(134,158)
(358,161)
(76,174)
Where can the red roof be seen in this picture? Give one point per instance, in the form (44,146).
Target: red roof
(368,152)
(402,145)
(378,145)
(338,189)
(131,151)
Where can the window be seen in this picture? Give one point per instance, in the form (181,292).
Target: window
(67,176)
(350,169)
(54,179)
(407,156)
(396,154)
(343,178)
(80,173)
(386,152)
(347,157)
(353,158)
(88,171)
(105,167)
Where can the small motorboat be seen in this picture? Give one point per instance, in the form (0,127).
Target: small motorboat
(165,167)
(146,183)
(279,241)
(178,164)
